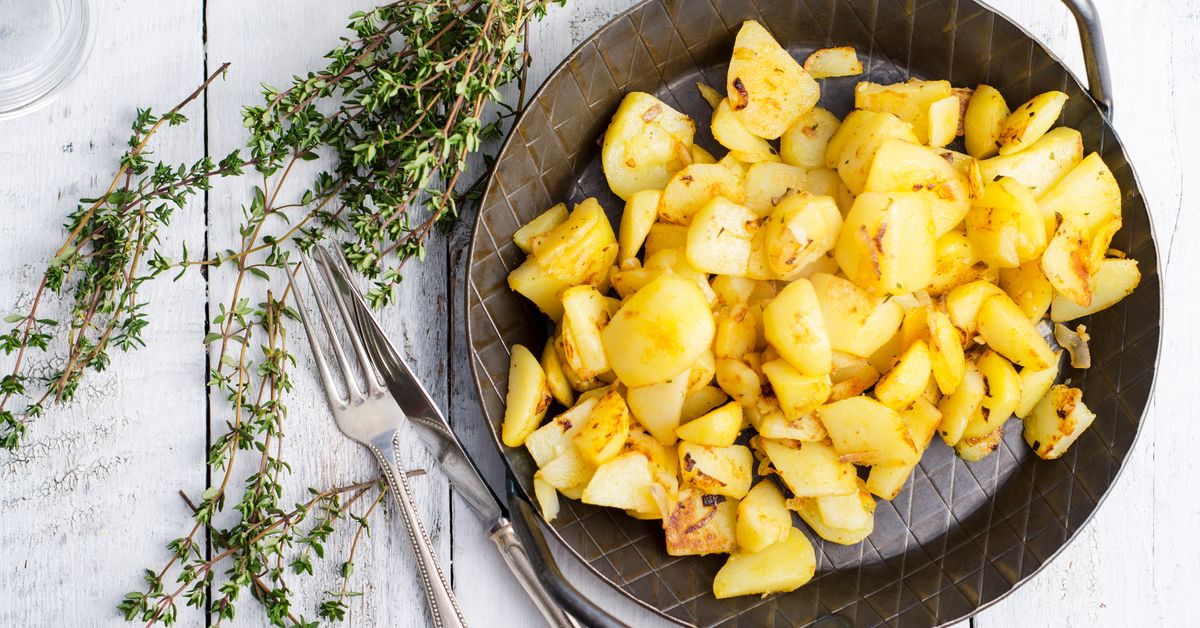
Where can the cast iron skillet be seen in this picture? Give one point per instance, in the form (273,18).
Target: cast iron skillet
(961,535)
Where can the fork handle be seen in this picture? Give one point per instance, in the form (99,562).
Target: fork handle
(517,560)
(443,607)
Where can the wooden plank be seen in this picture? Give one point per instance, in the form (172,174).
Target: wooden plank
(269,42)
(90,500)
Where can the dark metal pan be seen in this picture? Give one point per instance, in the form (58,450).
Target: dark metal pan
(961,535)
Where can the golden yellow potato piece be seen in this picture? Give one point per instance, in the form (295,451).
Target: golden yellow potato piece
(1003,393)
(945,351)
(1030,121)
(768,90)
(768,182)
(810,469)
(857,155)
(1005,226)
(699,523)
(716,470)
(831,62)
(664,235)
(799,232)
(659,407)
(900,166)
(961,404)
(798,394)
(763,518)
(659,332)
(842,519)
(908,101)
(921,419)
(569,473)
(794,326)
(1116,279)
(977,448)
(962,303)
(848,129)
(887,243)
(1057,422)
(1035,383)
(527,399)
(957,263)
(556,378)
(603,435)
(623,482)
(547,499)
(585,313)
(717,428)
(1040,165)
(581,249)
(720,238)
(805,142)
(558,435)
(641,209)
(856,322)
(530,234)
(693,187)
(907,380)
(646,142)
(1028,287)
(985,117)
(868,430)
(727,129)
(945,116)
(1007,331)
(783,566)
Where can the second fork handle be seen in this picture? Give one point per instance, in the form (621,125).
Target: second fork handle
(443,607)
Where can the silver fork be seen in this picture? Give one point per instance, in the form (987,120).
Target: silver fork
(373,418)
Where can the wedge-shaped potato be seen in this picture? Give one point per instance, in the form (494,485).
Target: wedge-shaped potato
(857,322)
(1088,195)
(768,182)
(1008,332)
(693,187)
(805,142)
(664,235)
(527,399)
(623,482)
(945,351)
(945,118)
(569,473)
(547,499)
(1005,227)
(784,566)
(728,130)
(585,314)
(717,470)
(720,237)
(710,94)
(763,518)
(811,469)
(701,524)
(554,438)
(1002,388)
(907,381)
(800,231)
(1029,122)
(962,303)
(659,407)
(959,406)
(641,209)
(664,458)
(957,263)
(794,326)
(740,380)
(831,62)
(1028,287)
(859,150)
(984,120)
(1116,279)
(908,101)
(1057,422)
(700,402)
(1040,165)
(768,90)
(646,142)
(900,166)
(974,449)
(887,243)
(530,234)
(1067,263)
(798,394)
(717,428)
(659,332)
(1035,383)
(921,419)
(556,377)
(581,249)
(841,519)
(868,430)
(603,435)
(532,282)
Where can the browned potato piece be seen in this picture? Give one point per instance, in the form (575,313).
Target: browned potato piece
(1028,287)
(768,90)
(701,524)
(957,263)
(985,117)
(800,231)
(903,167)
(527,399)
(870,431)
(581,249)
(1006,330)
(783,566)
(909,101)
(1030,121)
(1116,279)
(693,187)
(646,142)
(810,469)
(659,332)
(831,62)
(1040,165)
(887,243)
(1002,388)
(1057,422)
(945,351)
(607,427)
(805,142)
(1005,227)
(530,234)
(716,470)
(794,326)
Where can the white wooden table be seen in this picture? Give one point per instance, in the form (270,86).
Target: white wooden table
(91,500)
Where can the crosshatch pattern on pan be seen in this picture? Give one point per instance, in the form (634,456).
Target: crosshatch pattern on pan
(960,535)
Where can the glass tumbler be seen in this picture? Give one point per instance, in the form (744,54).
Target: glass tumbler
(43,45)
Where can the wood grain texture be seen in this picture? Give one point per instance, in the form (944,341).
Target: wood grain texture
(91,500)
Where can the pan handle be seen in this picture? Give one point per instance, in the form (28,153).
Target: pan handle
(1095,58)
(527,525)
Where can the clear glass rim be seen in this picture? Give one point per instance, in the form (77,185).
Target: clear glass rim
(35,84)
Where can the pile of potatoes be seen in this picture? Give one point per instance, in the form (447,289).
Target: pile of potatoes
(817,305)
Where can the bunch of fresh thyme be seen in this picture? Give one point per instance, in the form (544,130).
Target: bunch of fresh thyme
(401,106)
